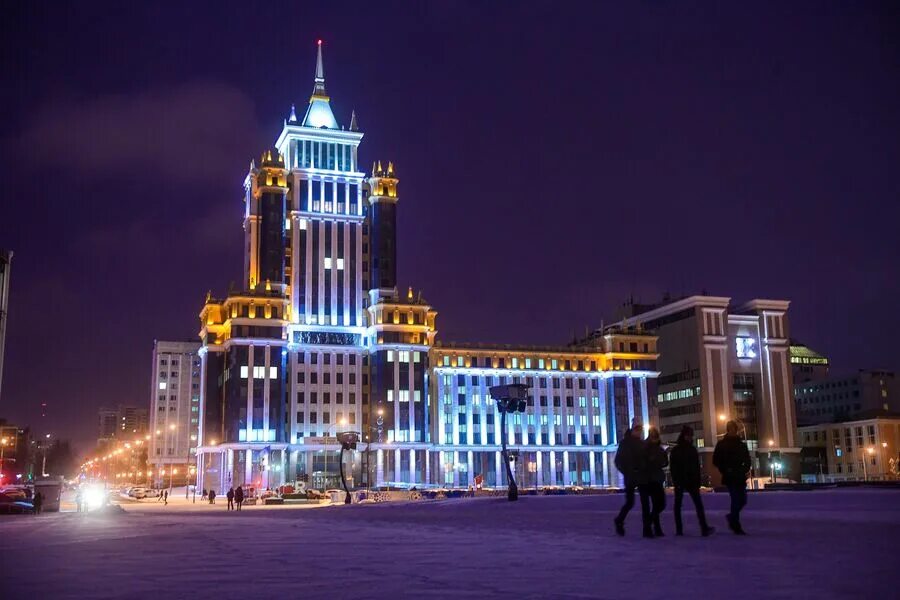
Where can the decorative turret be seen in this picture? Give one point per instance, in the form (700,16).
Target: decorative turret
(264,225)
(319,113)
(383,201)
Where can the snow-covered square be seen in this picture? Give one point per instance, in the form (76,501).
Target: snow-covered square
(822,544)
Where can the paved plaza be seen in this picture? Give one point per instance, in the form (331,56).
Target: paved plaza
(823,544)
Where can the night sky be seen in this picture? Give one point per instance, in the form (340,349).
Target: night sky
(554,159)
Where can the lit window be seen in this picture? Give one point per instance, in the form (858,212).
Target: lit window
(162,385)
(745,347)
(303,224)
(273,372)
(390,356)
(340,263)
(287,224)
(390,395)
(244,372)
(327,262)
(459,361)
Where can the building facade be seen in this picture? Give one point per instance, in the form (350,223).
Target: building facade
(174,426)
(718,363)
(121,423)
(320,340)
(807,364)
(865,448)
(841,398)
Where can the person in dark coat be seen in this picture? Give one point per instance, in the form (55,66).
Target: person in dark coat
(732,459)
(650,483)
(239,497)
(166,497)
(212,496)
(37,502)
(230,496)
(628,461)
(684,465)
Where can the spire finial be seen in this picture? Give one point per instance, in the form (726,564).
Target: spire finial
(354,126)
(293,117)
(319,89)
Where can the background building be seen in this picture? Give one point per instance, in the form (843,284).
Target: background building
(121,423)
(174,406)
(16,443)
(807,364)
(841,398)
(5,265)
(866,447)
(719,362)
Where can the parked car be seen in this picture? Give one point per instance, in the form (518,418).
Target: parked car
(13,502)
(138,493)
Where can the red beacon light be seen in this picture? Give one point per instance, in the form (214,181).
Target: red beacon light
(320,42)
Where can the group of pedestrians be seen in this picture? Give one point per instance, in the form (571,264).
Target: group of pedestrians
(643,462)
(235,498)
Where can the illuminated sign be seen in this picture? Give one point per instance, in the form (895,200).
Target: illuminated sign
(329,338)
(746,347)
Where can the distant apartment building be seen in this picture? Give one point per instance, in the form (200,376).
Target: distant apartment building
(863,448)
(174,403)
(719,362)
(121,422)
(807,364)
(842,398)
(5,263)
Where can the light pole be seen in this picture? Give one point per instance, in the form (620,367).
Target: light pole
(510,398)
(884,463)
(870,451)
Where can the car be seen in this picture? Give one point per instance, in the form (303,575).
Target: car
(138,493)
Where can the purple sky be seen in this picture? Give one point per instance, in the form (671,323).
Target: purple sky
(553,161)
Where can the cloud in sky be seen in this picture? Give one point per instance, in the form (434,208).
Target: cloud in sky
(190,132)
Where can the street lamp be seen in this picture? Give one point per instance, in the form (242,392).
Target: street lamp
(871,451)
(3,442)
(348,441)
(510,398)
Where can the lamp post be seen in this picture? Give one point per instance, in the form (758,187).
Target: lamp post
(870,451)
(884,463)
(173,470)
(348,441)
(510,398)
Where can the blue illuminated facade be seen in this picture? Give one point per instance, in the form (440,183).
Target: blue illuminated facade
(320,340)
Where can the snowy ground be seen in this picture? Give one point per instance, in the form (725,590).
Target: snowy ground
(823,544)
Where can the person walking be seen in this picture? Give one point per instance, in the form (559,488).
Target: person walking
(684,465)
(37,502)
(166,497)
(239,497)
(650,483)
(160,496)
(732,459)
(212,496)
(79,500)
(628,458)
(230,497)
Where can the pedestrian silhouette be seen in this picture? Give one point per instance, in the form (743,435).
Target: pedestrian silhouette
(38,502)
(684,465)
(212,496)
(239,497)
(230,497)
(650,483)
(628,459)
(732,459)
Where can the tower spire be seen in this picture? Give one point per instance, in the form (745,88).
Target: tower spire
(319,89)
(354,126)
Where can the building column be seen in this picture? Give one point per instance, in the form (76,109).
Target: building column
(469,475)
(379,467)
(605,465)
(567,479)
(428,467)
(540,468)
(248,467)
(591,462)
(413,478)
(497,460)
(553,468)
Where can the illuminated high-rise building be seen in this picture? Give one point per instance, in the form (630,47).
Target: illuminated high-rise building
(320,339)
(5,264)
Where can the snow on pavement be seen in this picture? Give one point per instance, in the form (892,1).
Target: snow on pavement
(823,544)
